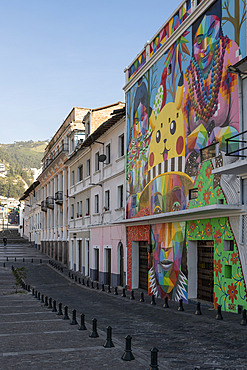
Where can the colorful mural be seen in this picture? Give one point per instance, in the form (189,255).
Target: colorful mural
(185,102)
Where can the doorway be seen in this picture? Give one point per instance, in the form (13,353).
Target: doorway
(143,265)
(108,265)
(96,264)
(121,263)
(205,270)
(80,254)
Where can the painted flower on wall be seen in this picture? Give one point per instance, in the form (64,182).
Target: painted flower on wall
(200,185)
(192,227)
(217,267)
(217,237)
(208,230)
(218,192)
(215,301)
(232,291)
(206,196)
(234,258)
(209,170)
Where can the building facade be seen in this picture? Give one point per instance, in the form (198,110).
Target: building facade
(97,204)
(182,106)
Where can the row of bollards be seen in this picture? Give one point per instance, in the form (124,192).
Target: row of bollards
(23,260)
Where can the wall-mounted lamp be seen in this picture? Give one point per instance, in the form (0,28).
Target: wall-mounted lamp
(92,183)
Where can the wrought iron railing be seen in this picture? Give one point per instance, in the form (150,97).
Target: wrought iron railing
(237,145)
(62,148)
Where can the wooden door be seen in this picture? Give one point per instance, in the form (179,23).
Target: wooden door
(143,265)
(121,264)
(205,270)
(109,266)
(97,264)
(80,255)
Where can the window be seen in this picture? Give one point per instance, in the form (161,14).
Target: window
(108,154)
(72,211)
(193,193)
(208,152)
(97,161)
(87,207)
(96,203)
(107,200)
(121,145)
(80,209)
(88,167)
(120,196)
(77,209)
(72,178)
(80,173)
(88,128)
(72,145)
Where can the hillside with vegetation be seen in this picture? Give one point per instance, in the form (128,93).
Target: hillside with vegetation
(18,159)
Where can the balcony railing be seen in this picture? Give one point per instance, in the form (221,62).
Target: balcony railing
(59,197)
(50,202)
(62,149)
(43,206)
(236,147)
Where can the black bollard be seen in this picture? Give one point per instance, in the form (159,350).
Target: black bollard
(154,358)
(109,289)
(116,292)
(69,274)
(60,311)
(83,282)
(243,321)
(7,258)
(36,294)
(46,301)
(4,264)
(79,280)
(128,355)
(102,288)
(109,342)
(198,309)
(72,276)
(23,260)
(166,305)
(15,259)
(66,316)
(94,333)
(153,300)
(29,288)
(26,287)
(33,291)
(40,261)
(97,286)
(75,277)
(39,296)
(50,303)
(87,283)
(92,286)
(12,268)
(54,306)
(42,298)
(58,267)
(32,260)
(61,269)
(181,307)
(219,315)
(82,326)
(123,293)
(132,295)
(142,297)
(74,322)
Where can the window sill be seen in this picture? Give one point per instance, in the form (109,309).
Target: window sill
(120,158)
(96,214)
(96,172)
(107,211)
(119,209)
(107,165)
(86,216)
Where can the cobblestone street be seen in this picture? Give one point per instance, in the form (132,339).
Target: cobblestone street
(31,336)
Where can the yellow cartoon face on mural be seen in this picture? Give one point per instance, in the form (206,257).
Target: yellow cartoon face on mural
(168,135)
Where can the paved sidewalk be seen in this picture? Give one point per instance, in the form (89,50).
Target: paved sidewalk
(38,338)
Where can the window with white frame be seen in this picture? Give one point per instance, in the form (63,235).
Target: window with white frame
(88,167)
(72,145)
(80,173)
(97,161)
(80,208)
(72,211)
(88,128)
(77,209)
(121,145)
(96,203)
(108,153)
(87,207)
(120,196)
(107,200)
(72,178)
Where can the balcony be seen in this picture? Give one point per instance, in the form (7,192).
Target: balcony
(59,197)
(50,202)
(43,206)
(62,149)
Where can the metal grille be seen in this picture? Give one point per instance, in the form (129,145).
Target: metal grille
(244,228)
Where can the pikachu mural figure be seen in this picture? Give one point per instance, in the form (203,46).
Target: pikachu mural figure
(168,135)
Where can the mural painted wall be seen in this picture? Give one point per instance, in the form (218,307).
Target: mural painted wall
(186,101)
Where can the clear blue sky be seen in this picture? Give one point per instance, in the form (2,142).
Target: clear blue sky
(57,54)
